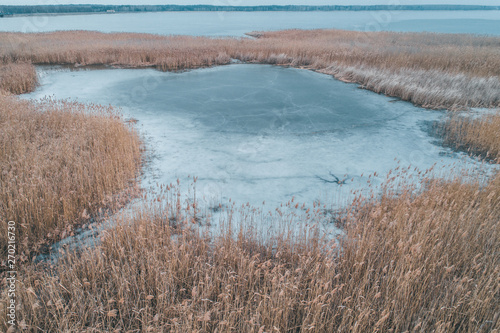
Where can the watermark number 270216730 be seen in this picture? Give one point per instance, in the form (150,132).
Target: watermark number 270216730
(11,273)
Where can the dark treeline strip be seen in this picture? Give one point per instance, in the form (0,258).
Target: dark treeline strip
(65,9)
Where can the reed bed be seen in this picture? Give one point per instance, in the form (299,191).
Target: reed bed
(83,48)
(60,162)
(434,70)
(416,262)
(18,78)
(478,135)
(427,88)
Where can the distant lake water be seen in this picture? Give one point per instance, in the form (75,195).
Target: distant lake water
(238,23)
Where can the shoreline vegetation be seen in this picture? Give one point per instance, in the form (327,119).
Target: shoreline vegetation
(421,263)
(18,77)
(62,165)
(8,10)
(407,260)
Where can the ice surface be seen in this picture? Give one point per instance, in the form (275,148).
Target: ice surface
(255,133)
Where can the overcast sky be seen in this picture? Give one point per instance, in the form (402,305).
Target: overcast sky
(252,2)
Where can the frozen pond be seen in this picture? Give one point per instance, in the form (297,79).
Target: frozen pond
(238,23)
(255,133)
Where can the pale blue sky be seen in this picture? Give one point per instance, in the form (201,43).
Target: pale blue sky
(252,2)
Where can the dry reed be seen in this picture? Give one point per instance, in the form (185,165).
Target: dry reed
(419,263)
(60,162)
(478,135)
(18,78)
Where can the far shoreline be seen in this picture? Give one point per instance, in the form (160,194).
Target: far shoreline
(55,10)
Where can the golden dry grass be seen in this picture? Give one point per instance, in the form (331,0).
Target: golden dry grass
(416,263)
(18,78)
(434,70)
(59,163)
(452,53)
(124,49)
(478,135)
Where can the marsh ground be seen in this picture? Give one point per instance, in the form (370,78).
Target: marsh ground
(416,256)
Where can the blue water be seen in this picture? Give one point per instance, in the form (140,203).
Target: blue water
(238,23)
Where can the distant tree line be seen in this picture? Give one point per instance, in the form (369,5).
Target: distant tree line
(68,9)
